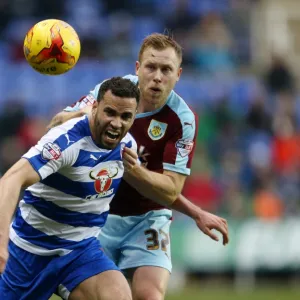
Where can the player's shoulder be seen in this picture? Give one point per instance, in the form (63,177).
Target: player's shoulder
(131,77)
(177,104)
(64,138)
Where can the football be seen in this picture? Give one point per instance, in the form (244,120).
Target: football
(52,47)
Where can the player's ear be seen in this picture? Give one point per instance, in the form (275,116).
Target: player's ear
(179,73)
(95,104)
(137,66)
(94,107)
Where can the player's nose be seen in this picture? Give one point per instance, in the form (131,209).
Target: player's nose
(157,76)
(116,123)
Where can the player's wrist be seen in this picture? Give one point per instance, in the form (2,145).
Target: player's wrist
(132,170)
(197,214)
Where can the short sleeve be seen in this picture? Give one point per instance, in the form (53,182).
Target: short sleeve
(179,150)
(85,101)
(50,153)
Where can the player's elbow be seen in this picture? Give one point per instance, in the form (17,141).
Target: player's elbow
(175,182)
(173,192)
(63,117)
(172,195)
(56,120)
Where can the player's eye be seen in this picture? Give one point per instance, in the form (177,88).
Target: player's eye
(150,67)
(166,70)
(109,112)
(126,117)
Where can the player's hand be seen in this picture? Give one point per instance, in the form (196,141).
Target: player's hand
(207,221)
(130,159)
(3,252)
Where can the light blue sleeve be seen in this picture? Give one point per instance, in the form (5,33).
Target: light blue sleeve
(95,91)
(133,78)
(182,144)
(92,96)
(85,101)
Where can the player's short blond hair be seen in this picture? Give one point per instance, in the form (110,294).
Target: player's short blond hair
(160,41)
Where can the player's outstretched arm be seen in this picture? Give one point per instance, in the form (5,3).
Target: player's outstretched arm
(21,174)
(204,220)
(64,116)
(165,189)
(162,188)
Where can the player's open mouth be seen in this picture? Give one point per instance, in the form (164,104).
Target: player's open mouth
(112,135)
(155,90)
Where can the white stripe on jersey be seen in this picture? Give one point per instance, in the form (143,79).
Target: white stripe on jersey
(72,203)
(33,248)
(50,227)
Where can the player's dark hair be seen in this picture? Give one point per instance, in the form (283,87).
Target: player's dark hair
(160,41)
(119,87)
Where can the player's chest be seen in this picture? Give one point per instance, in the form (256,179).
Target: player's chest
(94,177)
(152,136)
(99,182)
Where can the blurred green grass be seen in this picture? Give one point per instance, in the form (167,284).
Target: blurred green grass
(275,292)
(216,293)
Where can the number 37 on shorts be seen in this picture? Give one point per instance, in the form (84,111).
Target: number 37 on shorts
(153,240)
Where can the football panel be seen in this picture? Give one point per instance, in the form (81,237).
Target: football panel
(52,47)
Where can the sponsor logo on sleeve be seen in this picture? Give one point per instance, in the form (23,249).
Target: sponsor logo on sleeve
(157,130)
(184,147)
(51,151)
(86,101)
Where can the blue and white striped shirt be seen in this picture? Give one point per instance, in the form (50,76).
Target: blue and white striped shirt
(70,204)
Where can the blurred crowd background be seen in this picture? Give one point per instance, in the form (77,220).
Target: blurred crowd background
(240,74)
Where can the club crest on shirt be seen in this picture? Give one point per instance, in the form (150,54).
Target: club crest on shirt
(103,180)
(51,151)
(184,147)
(157,130)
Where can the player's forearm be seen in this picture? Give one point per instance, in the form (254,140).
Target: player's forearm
(64,116)
(157,187)
(185,206)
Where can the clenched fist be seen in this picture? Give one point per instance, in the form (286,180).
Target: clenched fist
(130,159)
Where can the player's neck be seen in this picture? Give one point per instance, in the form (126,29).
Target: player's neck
(145,107)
